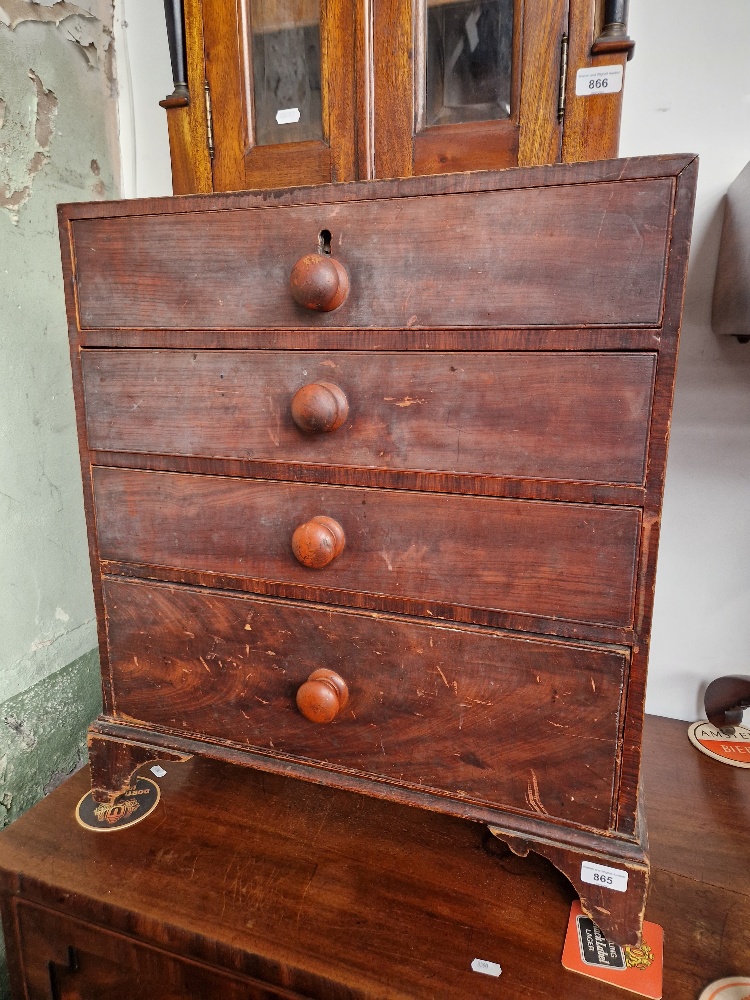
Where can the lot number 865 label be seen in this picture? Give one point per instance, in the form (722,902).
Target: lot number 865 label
(609,878)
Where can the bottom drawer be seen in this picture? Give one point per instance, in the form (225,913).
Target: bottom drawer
(471,713)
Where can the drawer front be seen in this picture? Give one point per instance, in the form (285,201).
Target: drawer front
(554,560)
(70,959)
(467,712)
(564,255)
(567,416)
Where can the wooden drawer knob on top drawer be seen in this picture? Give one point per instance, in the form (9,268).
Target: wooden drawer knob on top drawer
(320,282)
(317,542)
(319,407)
(322,696)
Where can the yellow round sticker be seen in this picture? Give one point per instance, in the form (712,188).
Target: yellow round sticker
(731,745)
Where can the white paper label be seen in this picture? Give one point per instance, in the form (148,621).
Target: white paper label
(287,116)
(608,878)
(598,80)
(158,770)
(488,968)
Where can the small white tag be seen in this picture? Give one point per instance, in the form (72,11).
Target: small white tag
(287,116)
(158,770)
(488,968)
(608,878)
(598,80)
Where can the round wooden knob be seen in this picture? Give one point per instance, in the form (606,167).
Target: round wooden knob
(317,542)
(319,407)
(322,696)
(319,282)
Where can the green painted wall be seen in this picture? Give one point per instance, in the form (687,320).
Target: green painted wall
(58,142)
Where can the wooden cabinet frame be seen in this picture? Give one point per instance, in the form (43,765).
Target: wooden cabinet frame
(370,108)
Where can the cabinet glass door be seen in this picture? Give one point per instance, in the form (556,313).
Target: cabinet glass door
(281,78)
(285,56)
(481,92)
(469,61)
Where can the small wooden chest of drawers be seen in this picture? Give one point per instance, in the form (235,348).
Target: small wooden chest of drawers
(405,546)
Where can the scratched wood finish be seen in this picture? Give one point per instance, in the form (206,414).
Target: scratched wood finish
(560,256)
(232,859)
(623,591)
(425,702)
(547,416)
(562,560)
(109,965)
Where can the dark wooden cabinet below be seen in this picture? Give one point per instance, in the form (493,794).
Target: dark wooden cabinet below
(250,886)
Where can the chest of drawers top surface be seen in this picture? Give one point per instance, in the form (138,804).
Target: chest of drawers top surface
(405,546)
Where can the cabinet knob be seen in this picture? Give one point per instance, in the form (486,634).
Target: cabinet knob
(319,407)
(317,542)
(319,281)
(322,696)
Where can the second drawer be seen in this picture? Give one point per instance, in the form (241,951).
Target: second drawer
(558,415)
(552,560)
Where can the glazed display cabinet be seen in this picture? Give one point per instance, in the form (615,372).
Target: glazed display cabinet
(277,93)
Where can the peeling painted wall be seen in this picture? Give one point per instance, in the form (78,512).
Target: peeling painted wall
(58,142)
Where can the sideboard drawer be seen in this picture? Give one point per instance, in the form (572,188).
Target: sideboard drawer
(565,561)
(71,959)
(505,414)
(469,712)
(563,255)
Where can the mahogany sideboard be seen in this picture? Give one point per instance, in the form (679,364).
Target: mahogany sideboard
(249,885)
(373,477)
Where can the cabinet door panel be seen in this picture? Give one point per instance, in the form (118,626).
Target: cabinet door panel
(468,86)
(68,959)
(281,76)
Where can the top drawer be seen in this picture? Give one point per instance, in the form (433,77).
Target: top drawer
(567,255)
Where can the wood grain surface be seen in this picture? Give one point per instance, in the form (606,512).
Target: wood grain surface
(547,416)
(334,896)
(426,702)
(572,255)
(241,163)
(540,264)
(560,560)
(188,132)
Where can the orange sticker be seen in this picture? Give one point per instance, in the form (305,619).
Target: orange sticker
(638,970)
(731,745)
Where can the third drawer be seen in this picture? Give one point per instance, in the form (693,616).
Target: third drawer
(575,562)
